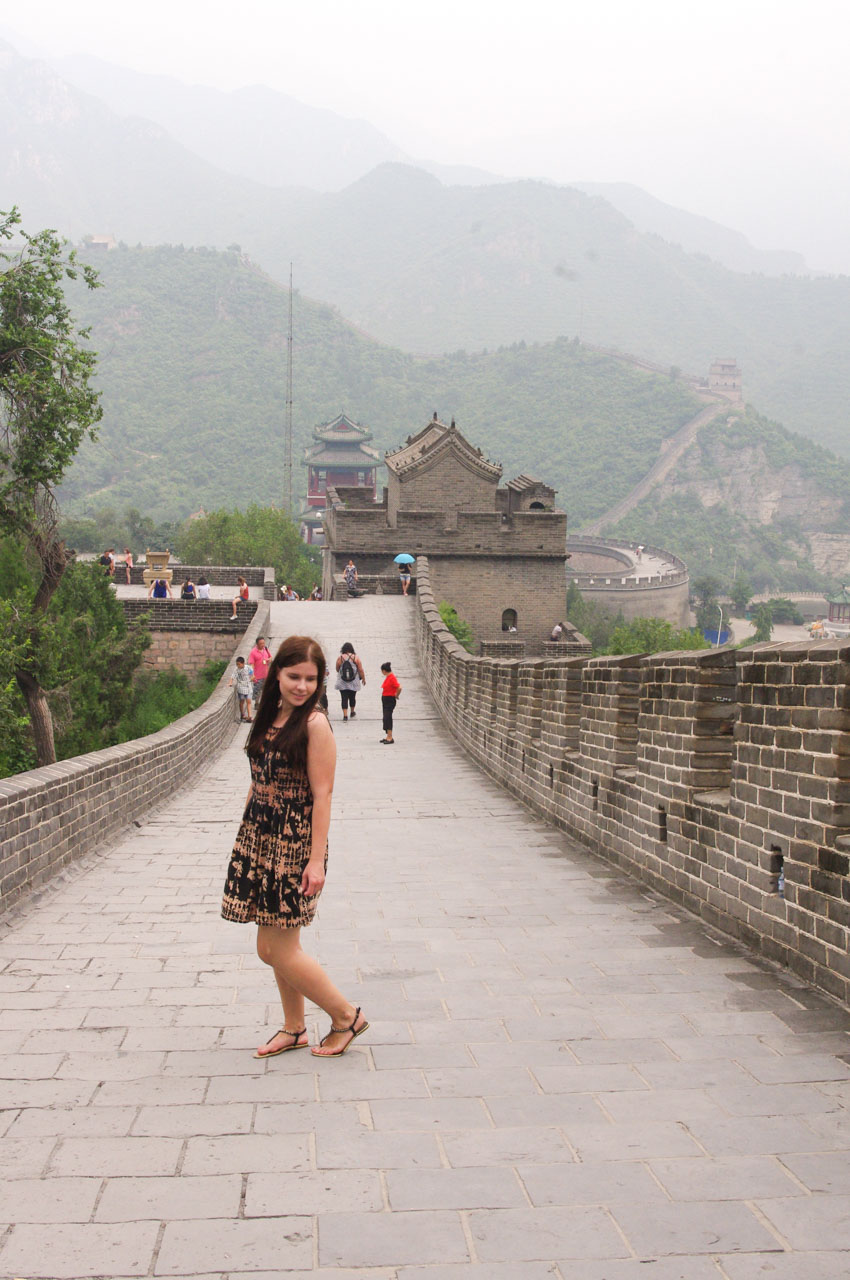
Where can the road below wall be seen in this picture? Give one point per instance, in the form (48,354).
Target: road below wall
(564,1076)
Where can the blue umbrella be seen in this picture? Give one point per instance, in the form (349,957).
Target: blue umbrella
(404,558)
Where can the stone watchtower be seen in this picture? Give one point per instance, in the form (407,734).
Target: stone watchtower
(496,554)
(724,379)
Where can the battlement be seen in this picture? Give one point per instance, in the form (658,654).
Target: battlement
(720,778)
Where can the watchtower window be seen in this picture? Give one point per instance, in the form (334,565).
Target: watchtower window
(536,506)
(509,620)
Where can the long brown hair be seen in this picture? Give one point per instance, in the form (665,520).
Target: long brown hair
(291,738)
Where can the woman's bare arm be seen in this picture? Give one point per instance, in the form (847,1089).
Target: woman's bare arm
(321,766)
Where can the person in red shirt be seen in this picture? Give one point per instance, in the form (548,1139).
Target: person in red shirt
(259,658)
(390,694)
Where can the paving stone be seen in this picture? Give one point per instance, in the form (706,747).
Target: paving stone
(49,1200)
(492,1271)
(188,1120)
(367,1150)
(589,1184)
(328,1191)
(115,1157)
(485,1188)
(811,1222)
(166,1199)
(524,1145)
(278,1244)
(71,1250)
(73,1121)
(245,1153)
(741,1178)
(629,1141)
(544,1234)
(429,1113)
(24,1157)
(390,1239)
(786,1266)
(706,1227)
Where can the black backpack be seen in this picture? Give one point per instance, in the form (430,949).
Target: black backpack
(348,671)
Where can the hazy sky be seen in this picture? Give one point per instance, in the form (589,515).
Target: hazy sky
(736,110)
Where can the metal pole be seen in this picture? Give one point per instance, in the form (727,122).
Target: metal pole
(287,457)
(720,628)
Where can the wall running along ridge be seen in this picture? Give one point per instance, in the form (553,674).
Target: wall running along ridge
(50,817)
(720,778)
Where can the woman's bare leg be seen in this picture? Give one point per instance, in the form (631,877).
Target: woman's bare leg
(300,973)
(293,1017)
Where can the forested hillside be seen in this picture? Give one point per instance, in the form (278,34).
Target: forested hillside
(192,348)
(745,498)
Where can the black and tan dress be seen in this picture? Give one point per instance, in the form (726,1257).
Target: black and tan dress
(273,847)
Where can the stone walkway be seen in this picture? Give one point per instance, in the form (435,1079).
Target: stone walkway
(564,1076)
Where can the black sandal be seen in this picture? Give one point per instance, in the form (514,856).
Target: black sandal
(339,1031)
(287,1047)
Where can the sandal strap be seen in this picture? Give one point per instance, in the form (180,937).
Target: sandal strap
(284,1032)
(340,1030)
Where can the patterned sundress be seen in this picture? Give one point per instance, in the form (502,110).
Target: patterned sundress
(272,848)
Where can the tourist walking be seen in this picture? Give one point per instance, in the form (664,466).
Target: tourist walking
(349,574)
(404,578)
(259,659)
(390,694)
(244,688)
(128,564)
(278,866)
(242,593)
(350,678)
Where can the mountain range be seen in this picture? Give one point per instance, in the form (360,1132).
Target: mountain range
(418,264)
(192,350)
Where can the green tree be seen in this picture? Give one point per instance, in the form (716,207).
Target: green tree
(596,622)
(47,408)
(763,619)
(257,536)
(85,659)
(741,593)
(461,630)
(705,591)
(653,635)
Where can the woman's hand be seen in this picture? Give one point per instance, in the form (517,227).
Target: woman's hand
(313,878)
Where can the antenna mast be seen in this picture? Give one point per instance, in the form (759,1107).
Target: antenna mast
(287,456)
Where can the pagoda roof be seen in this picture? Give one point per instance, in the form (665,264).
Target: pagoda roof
(341,429)
(839,597)
(433,442)
(356,455)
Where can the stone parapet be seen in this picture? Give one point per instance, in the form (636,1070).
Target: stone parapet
(53,816)
(719,778)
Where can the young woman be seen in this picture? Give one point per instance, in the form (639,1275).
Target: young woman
(277,868)
(242,593)
(350,678)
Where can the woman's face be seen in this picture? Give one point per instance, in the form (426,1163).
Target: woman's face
(297,683)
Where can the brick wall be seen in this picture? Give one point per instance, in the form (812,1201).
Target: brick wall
(188,651)
(52,816)
(719,778)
